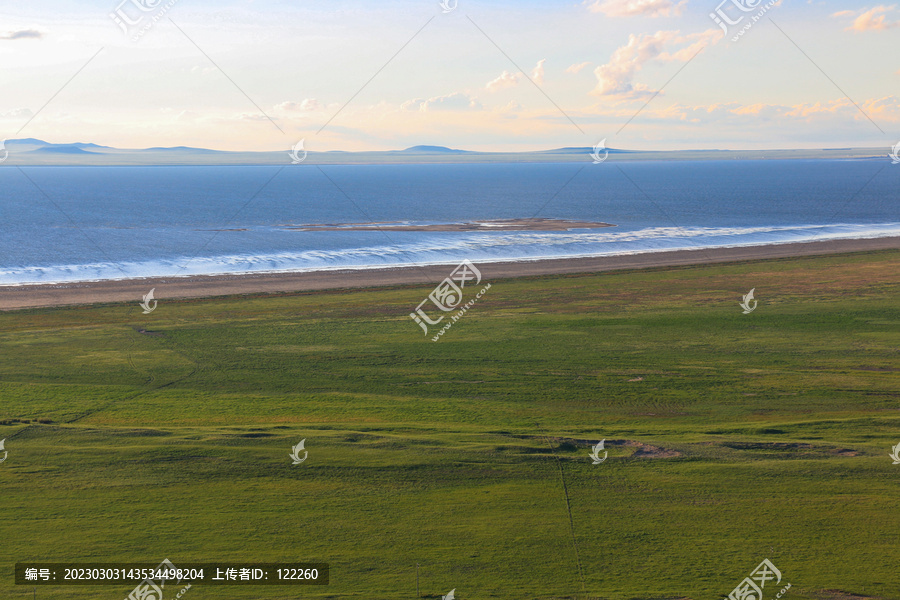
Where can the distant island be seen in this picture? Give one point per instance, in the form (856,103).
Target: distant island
(35,152)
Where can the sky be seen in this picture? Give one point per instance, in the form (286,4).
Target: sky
(495,75)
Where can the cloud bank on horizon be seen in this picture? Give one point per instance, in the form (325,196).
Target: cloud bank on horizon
(495,75)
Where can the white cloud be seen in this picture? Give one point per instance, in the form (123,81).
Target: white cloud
(537,75)
(454,101)
(508,80)
(22,34)
(307,105)
(842,110)
(632,8)
(245,116)
(186,115)
(874,19)
(505,80)
(414,104)
(576,68)
(16,113)
(616,78)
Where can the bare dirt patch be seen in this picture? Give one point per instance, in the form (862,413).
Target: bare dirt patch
(643,450)
(845,452)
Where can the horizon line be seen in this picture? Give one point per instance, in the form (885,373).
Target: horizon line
(425,148)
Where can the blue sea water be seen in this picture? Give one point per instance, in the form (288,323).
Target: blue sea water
(64,224)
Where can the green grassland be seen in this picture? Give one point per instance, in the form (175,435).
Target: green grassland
(732,438)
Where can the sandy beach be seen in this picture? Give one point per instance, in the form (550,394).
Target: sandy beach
(132,290)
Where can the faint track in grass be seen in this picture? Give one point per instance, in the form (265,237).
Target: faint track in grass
(88,413)
(130,356)
(562,477)
(150,379)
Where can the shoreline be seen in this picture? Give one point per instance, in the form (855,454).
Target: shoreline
(25,296)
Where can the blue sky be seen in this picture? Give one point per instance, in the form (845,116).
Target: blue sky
(466,80)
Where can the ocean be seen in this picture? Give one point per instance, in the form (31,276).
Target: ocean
(67,224)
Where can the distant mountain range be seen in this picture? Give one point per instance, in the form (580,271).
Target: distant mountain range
(35,145)
(31,151)
(40,146)
(434,150)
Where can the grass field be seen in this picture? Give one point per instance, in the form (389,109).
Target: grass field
(732,438)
